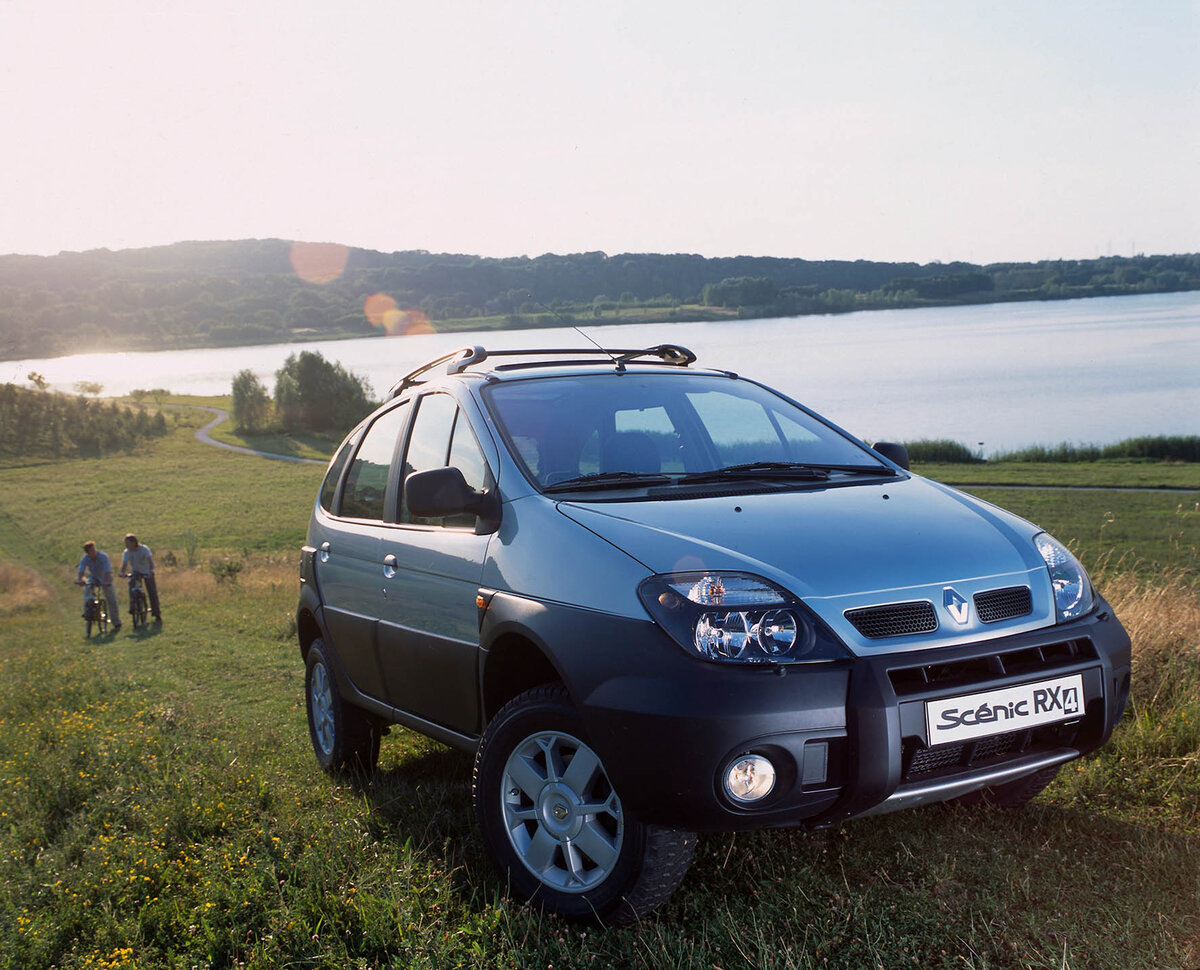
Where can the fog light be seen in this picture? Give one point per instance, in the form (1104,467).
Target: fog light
(749,779)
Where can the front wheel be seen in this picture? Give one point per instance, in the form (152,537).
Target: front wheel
(554,825)
(137,608)
(344,737)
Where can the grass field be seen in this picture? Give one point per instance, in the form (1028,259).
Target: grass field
(160,805)
(1087,474)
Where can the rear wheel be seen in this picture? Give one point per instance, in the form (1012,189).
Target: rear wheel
(344,737)
(555,827)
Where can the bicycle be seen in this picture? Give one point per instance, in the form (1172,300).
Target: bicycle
(139,607)
(95,610)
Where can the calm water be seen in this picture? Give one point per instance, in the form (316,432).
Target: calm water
(997,376)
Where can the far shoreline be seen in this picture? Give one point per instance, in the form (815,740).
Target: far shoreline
(549,319)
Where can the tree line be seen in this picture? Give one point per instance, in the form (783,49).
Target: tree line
(42,424)
(254,291)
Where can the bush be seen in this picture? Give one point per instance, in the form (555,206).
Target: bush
(251,403)
(223,569)
(942,450)
(315,395)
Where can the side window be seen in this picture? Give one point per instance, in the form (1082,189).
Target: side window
(467,457)
(442,436)
(366,481)
(428,445)
(334,475)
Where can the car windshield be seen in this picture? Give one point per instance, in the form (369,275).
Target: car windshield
(611,430)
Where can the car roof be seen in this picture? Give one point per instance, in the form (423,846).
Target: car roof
(497,363)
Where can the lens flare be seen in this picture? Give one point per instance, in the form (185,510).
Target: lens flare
(377,307)
(382,312)
(319,262)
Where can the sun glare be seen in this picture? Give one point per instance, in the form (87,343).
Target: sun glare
(382,312)
(319,262)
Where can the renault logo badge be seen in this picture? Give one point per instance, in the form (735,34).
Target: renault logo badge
(956,606)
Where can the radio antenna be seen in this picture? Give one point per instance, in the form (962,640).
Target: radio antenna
(620,364)
(616,360)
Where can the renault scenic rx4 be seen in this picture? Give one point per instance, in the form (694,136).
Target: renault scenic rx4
(655,600)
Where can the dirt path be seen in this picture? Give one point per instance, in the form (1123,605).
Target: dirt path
(203,436)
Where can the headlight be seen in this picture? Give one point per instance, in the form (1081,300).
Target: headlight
(1073,595)
(737,618)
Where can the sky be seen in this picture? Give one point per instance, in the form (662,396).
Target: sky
(917,130)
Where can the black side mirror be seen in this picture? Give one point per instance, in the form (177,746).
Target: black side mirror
(443,491)
(894,452)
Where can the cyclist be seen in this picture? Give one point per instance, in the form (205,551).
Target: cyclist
(99,569)
(138,559)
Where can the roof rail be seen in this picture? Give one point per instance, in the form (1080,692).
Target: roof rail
(459,360)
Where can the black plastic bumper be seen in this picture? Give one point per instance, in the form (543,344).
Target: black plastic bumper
(846,739)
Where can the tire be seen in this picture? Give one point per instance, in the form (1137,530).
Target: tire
(344,737)
(1014,794)
(137,608)
(553,825)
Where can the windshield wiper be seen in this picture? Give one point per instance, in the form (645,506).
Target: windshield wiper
(788,470)
(607,480)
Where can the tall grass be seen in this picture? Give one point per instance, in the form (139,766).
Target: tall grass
(21,589)
(941,450)
(1150,448)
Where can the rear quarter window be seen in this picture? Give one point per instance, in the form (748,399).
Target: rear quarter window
(334,475)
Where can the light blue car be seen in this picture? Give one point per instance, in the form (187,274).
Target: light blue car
(655,600)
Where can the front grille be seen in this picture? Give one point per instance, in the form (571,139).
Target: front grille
(921,763)
(966,754)
(894,620)
(971,671)
(1003,604)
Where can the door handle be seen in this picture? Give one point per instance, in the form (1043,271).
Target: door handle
(324,553)
(389,566)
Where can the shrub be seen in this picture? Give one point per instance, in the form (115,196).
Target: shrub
(315,395)
(941,449)
(223,569)
(251,403)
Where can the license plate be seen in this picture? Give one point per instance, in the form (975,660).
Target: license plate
(1006,709)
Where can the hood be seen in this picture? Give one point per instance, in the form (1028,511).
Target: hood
(837,548)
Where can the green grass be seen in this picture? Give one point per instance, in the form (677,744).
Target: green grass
(1097,474)
(314,446)
(160,805)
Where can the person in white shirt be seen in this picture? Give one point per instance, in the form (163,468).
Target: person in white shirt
(99,571)
(139,559)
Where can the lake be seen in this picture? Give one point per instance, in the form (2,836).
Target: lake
(993,377)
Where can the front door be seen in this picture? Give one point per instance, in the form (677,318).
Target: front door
(429,629)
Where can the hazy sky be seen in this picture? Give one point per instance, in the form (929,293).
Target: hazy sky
(906,130)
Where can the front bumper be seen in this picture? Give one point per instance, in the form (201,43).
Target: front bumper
(847,739)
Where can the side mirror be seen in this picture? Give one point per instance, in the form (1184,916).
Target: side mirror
(443,491)
(896,453)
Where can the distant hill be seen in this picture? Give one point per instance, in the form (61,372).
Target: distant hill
(198,294)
